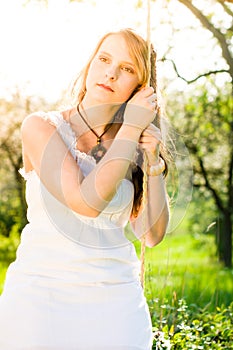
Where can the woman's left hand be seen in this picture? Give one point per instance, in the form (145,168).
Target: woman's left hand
(149,141)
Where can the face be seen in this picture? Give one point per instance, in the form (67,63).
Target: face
(112,75)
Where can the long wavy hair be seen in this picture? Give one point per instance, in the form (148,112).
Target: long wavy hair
(139,51)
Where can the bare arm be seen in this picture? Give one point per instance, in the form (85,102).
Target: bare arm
(58,170)
(153,218)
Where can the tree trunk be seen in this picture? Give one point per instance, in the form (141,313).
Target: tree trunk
(224,239)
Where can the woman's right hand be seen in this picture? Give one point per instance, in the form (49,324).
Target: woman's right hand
(141,109)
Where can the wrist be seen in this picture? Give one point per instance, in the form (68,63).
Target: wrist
(153,158)
(129,132)
(157,168)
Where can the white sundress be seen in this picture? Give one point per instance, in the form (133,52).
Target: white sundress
(75,282)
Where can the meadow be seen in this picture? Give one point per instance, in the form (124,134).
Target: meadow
(190,294)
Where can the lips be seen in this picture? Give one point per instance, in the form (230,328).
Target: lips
(105,87)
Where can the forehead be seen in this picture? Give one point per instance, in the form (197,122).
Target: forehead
(116,45)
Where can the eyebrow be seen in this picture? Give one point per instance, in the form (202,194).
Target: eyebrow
(125,62)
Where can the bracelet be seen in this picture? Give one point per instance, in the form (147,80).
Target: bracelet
(155,170)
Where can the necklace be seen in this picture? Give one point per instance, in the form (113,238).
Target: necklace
(98,151)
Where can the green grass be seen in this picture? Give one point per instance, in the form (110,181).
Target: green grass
(184,267)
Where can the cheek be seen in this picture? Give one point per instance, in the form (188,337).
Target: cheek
(129,88)
(92,73)
(95,72)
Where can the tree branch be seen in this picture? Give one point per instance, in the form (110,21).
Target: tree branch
(208,185)
(226,8)
(216,33)
(6,148)
(198,77)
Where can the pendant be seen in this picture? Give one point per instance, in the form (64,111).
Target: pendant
(98,152)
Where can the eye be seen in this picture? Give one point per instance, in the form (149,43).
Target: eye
(128,69)
(103,58)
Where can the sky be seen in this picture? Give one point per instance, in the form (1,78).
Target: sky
(44,48)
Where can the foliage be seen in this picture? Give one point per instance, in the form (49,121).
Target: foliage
(189,295)
(202,113)
(196,330)
(203,214)
(181,268)
(205,121)
(8,246)
(11,218)
(12,185)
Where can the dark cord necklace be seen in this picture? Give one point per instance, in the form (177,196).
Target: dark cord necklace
(98,151)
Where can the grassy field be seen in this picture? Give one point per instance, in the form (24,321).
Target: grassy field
(183,266)
(190,295)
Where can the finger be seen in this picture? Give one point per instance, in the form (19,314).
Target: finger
(154,144)
(152,135)
(149,138)
(151,132)
(147,91)
(153,128)
(152,98)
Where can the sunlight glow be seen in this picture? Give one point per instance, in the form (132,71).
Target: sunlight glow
(42,49)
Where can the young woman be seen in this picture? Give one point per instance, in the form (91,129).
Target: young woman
(75,282)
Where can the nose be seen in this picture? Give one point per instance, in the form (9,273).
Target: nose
(112,73)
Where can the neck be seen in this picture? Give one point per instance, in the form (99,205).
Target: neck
(98,115)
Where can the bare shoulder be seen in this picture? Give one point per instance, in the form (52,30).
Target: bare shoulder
(36,119)
(34,124)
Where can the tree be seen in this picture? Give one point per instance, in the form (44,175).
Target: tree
(209,123)
(12,185)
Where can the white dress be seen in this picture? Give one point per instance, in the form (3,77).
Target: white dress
(75,282)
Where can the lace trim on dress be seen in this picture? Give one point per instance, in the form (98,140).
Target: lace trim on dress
(68,136)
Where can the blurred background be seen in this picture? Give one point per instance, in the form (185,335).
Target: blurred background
(44,45)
